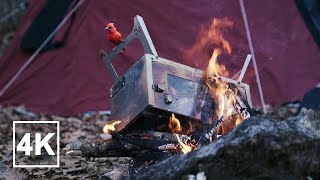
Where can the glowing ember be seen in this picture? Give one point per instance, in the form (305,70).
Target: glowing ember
(108,128)
(174,124)
(238,121)
(185,148)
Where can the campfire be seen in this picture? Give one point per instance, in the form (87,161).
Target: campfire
(162,108)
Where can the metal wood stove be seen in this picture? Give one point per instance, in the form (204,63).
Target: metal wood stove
(154,87)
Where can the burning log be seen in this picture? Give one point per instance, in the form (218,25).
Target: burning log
(129,145)
(240,103)
(102,148)
(212,134)
(165,136)
(147,144)
(206,115)
(230,100)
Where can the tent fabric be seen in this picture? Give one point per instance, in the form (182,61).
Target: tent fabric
(42,26)
(72,79)
(310,11)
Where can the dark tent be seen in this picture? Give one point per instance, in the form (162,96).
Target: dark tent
(72,78)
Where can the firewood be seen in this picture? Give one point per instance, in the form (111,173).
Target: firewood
(129,145)
(213,132)
(101,148)
(148,144)
(240,104)
(166,136)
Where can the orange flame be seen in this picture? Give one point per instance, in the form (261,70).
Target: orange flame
(108,128)
(214,69)
(213,35)
(175,127)
(174,124)
(211,38)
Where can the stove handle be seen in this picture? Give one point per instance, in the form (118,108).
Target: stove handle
(139,31)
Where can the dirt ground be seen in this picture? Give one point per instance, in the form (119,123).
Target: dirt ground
(71,129)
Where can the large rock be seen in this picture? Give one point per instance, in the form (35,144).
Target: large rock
(259,148)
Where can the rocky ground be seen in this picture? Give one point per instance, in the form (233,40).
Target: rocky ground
(258,148)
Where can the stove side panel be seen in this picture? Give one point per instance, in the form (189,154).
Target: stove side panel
(129,96)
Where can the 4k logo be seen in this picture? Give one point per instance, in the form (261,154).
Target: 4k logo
(35,142)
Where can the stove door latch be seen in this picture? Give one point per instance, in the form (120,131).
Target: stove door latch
(158,88)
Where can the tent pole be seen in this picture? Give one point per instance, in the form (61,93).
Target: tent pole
(245,20)
(34,55)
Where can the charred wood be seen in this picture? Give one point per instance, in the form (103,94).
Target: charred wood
(240,103)
(129,145)
(212,134)
(207,114)
(102,148)
(147,144)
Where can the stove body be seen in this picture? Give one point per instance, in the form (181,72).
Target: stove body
(155,87)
